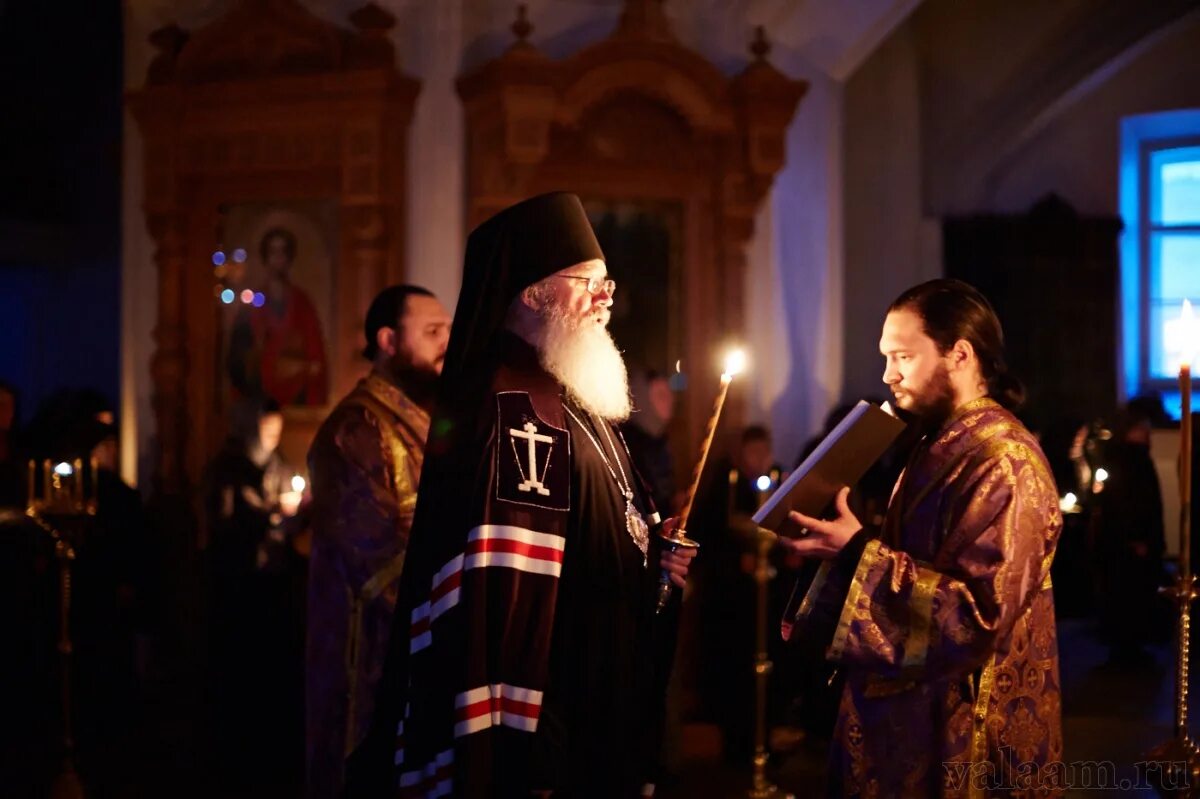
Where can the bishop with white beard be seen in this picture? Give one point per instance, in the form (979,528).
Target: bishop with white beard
(527,658)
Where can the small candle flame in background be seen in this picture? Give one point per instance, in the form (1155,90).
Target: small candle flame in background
(289,501)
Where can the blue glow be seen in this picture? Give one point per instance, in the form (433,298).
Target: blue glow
(260,299)
(218,258)
(239,256)
(763,482)
(227,296)
(1142,363)
(1173,402)
(1175,182)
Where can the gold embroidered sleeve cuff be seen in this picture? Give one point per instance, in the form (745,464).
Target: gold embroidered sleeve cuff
(855,596)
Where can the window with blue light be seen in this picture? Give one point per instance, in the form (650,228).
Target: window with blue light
(1160,249)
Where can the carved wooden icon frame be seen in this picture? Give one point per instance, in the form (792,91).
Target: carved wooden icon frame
(638,117)
(266,104)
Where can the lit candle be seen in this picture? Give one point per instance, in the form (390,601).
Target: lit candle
(289,501)
(1185,440)
(735,362)
(32,478)
(62,489)
(46,478)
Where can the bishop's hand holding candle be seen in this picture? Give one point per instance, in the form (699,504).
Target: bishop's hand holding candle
(674,536)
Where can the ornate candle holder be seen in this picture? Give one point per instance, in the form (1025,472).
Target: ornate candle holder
(62,509)
(764,542)
(1180,757)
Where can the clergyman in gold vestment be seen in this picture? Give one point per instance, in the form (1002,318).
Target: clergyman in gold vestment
(944,627)
(365,464)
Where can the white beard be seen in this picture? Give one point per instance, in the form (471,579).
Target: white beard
(581,354)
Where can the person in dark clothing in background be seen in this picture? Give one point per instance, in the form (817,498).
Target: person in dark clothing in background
(114,584)
(1130,537)
(646,434)
(256,607)
(1075,449)
(726,590)
(111,575)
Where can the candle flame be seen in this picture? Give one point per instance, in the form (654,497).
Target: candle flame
(298,483)
(735,362)
(1188,333)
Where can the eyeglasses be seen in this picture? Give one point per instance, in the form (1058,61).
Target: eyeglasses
(594,284)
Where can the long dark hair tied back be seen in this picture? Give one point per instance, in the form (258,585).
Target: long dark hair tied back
(951,310)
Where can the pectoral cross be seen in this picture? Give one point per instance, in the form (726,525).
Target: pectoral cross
(530,434)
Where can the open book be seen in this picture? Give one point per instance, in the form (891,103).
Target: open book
(841,459)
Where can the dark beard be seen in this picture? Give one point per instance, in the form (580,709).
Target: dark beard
(934,406)
(420,385)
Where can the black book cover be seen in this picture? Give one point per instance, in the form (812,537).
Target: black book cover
(841,459)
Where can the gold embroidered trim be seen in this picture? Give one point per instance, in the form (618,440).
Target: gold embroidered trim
(877,686)
(814,590)
(377,400)
(393,445)
(869,557)
(380,580)
(938,479)
(979,748)
(921,618)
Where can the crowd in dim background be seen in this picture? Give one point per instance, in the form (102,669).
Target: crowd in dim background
(253,538)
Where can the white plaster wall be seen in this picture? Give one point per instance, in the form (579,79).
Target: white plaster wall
(434,237)
(796,286)
(889,245)
(1076,153)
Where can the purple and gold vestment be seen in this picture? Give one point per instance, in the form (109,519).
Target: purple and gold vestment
(944,626)
(365,465)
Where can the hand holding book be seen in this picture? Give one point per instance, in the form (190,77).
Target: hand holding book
(820,538)
(824,477)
